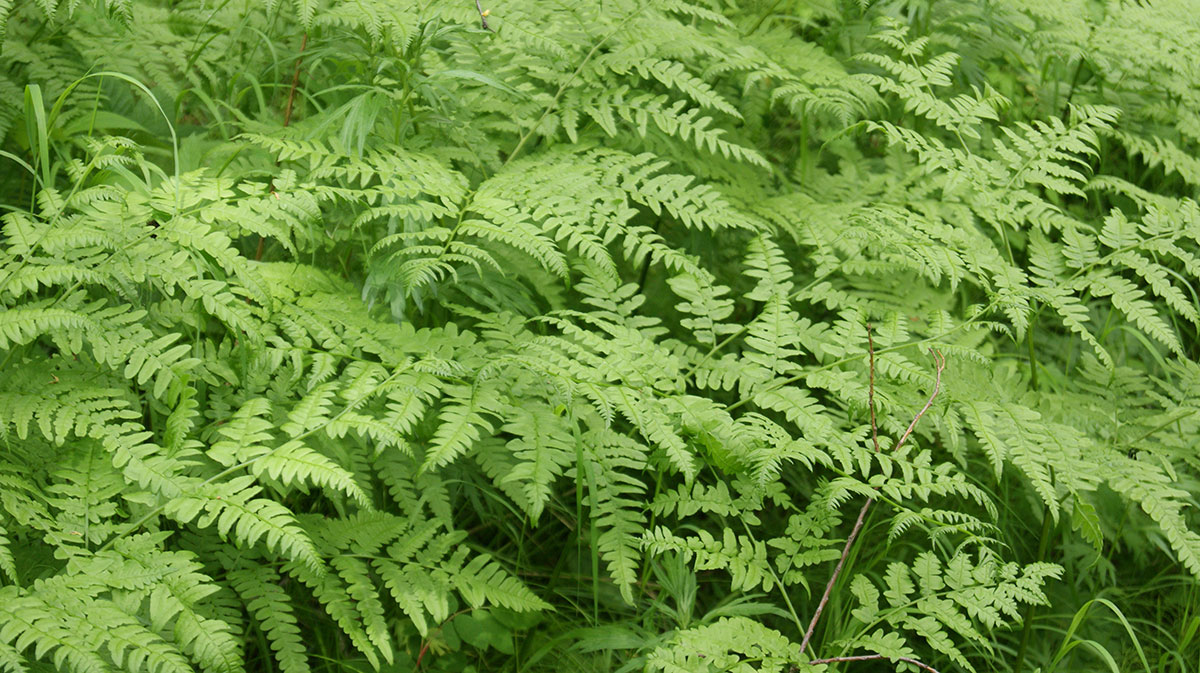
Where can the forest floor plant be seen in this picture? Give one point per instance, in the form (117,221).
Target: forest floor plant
(454,335)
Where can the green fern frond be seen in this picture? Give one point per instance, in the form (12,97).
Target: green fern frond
(743,558)
(938,602)
(271,606)
(461,421)
(730,640)
(239,516)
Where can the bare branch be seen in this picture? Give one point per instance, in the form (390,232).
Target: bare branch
(940,365)
(287,112)
(940,361)
(483,15)
(874,657)
(812,624)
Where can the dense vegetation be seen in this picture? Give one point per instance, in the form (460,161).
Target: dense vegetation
(609,335)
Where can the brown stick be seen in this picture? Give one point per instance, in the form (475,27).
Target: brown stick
(940,365)
(837,570)
(287,111)
(874,657)
(287,119)
(483,15)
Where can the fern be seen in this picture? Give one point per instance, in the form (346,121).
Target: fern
(259,587)
(932,602)
(464,337)
(728,642)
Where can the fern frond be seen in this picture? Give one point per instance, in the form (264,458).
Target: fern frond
(460,422)
(238,515)
(743,558)
(271,606)
(730,640)
(932,601)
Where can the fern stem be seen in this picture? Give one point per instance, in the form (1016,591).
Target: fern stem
(746,327)
(585,476)
(1033,364)
(891,349)
(1170,421)
(264,648)
(644,273)
(787,600)
(196,48)
(428,640)
(871,388)
(1066,110)
(644,580)
(766,15)
(805,166)
(646,261)
(1117,252)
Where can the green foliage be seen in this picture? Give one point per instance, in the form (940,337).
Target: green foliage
(369,335)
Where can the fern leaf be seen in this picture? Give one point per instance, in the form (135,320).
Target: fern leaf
(237,514)
(293,462)
(734,641)
(460,422)
(541,449)
(483,579)
(362,590)
(270,605)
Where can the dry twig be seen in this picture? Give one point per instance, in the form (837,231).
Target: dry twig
(483,15)
(940,365)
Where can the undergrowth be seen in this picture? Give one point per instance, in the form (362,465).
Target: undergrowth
(664,335)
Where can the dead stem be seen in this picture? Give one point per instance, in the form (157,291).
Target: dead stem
(287,119)
(940,365)
(483,15)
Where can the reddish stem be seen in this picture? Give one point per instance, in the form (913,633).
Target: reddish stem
(940,365)
(421,654)
(287,111)
(287,119)
(428,640)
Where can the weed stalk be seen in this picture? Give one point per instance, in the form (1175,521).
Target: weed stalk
(940,365)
